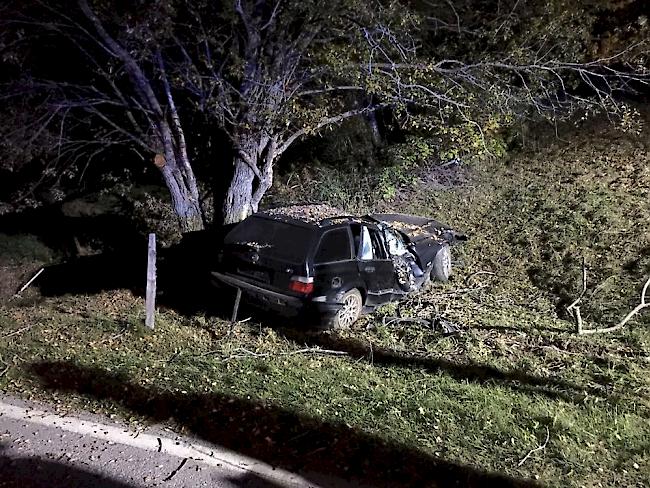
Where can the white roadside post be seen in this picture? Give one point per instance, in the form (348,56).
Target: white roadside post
(150,299)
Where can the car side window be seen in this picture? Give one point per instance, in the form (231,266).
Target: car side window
(371,245)
(334,246)
(378,250)
(366,250)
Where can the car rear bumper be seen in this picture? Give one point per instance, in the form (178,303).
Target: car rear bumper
(281,302)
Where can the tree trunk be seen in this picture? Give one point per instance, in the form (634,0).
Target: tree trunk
(252,178)
(186,207)
(239,198)
(179,178)
(375,132)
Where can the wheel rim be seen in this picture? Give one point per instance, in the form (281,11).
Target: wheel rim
(350,311)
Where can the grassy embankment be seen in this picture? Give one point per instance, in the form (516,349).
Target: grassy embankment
(482,399)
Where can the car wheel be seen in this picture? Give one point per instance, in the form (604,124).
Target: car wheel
(349,312)
(442,265)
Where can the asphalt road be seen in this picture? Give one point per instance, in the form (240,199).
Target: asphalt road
(41,448)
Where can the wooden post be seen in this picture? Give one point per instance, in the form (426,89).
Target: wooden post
(150,299)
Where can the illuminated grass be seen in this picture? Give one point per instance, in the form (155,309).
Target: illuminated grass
(483,398)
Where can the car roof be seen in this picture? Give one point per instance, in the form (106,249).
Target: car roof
(317,216)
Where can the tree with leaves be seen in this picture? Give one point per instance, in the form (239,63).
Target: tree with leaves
(124,92)
(267,73)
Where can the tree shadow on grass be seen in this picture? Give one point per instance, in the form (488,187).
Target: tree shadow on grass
(317,450)
(183,274)
(559,287)
(517,380)
(94,274)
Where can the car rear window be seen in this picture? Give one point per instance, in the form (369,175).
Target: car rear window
(280,240)
(334,246)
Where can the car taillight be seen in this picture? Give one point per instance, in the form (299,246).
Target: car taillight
(301,284)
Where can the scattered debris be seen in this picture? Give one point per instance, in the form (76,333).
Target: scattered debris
(436,323)
(173,473)
(307,213)
(448,327)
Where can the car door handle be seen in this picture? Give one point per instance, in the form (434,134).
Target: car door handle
(370,269)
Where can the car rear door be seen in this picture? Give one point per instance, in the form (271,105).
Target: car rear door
(335,268)
(375,267)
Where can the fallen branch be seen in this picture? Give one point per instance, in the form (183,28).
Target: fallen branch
(24,287)
(473,275)
(461,291)
(251,354)
(574,308)
(173,473)
(626,319)
(309,350)
(437,322)
(19,331)
(395,320)
(8,366)
(541,447)
(119,334)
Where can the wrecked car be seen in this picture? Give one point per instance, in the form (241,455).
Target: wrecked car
(314,260)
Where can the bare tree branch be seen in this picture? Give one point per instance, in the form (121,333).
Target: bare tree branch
(574,308)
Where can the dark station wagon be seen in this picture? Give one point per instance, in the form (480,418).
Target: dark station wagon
(331,267)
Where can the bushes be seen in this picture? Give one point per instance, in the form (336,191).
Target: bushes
(358,187)
(345,169)
(23,248)
(153,213)
(401,164)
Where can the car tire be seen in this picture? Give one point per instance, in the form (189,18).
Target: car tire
(350,311)
(441,266)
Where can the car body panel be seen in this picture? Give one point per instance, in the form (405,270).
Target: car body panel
(332,280)
(378,275)
(278,301)
(267,250)
(426,235)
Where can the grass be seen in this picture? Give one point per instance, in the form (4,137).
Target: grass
(480,400)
